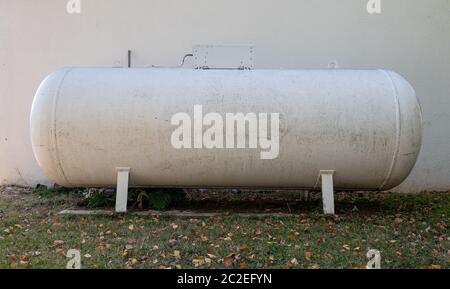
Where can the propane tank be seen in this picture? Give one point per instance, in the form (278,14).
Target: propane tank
(179,127)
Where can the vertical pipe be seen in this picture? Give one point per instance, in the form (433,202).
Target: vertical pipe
(129,58)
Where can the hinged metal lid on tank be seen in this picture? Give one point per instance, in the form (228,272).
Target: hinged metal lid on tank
(223,56)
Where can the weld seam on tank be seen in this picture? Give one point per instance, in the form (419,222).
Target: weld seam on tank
(398,130)
(54,136)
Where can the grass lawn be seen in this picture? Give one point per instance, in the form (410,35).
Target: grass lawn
(410,231)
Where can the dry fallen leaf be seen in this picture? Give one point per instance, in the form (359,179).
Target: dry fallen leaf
(228,261)
(243,247)
(198,262)
(24,264)
(25,257)
(308,256)
(321,240)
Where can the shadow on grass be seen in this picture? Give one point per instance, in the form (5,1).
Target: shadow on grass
(294,202)
(276,201)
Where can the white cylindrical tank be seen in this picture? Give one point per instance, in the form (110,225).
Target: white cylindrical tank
(364,124)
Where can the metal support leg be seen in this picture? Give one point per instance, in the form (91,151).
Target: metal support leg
(122,189)
(327,192)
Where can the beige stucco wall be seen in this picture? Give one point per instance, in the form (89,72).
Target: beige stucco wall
(411,37)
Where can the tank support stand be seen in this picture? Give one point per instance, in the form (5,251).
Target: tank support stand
(327,191)
(325,177)
(123,175)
